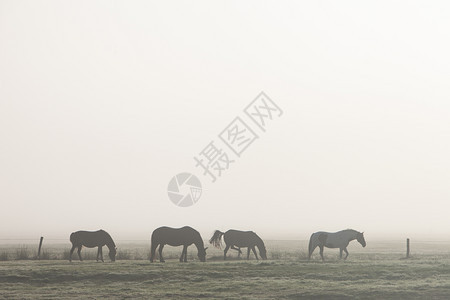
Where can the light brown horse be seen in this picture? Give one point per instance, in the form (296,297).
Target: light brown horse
(339,239)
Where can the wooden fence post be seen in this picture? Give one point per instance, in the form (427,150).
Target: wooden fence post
(40,245)
(407,248)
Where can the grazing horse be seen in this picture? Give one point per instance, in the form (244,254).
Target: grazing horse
(93,239)
(184,236)
(236,239)
(339,239)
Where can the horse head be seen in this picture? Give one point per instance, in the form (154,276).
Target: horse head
(112,253)
(202,254)
(263,252)
(360,238)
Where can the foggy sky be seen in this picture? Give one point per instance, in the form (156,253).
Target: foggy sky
(102,102)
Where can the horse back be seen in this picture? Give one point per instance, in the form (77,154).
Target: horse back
(90,239)
(329,240)
(241,238)
(175,236)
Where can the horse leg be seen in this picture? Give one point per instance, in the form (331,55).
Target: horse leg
(346,253)
(225,252)
(152,251)
(340,252)
(321,252)
(161,259)
(311,252)
(248,253)
(254,251)
(79,252)
(183,256)
(71,251)
(101,253)
(238,249)
(98,253)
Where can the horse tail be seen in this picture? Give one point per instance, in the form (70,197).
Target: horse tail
(154,240)
(73,238)
(216,239)
(310,246)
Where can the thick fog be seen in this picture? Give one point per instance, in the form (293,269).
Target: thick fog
(102,103)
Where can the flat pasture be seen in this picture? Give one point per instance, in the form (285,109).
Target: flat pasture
(378,271)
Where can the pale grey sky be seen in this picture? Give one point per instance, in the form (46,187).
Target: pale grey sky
(102,102)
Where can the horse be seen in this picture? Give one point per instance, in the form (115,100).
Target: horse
(93,239)
(339,239)
(184,236)
(236,239)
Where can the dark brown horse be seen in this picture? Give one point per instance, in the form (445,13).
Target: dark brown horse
(236,239)
(93,239)
(184,236)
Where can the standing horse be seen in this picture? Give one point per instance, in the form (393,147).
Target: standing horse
(184,236)
(339,239)
(93,239)
(236,239)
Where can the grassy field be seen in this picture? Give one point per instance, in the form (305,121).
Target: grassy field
(376,272)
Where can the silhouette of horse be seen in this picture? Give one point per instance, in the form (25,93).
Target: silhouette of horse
(185,236)
(236,239)
(339,239)
(93,239)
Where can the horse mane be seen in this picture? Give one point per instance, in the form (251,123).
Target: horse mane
(259,239)
(109,238)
